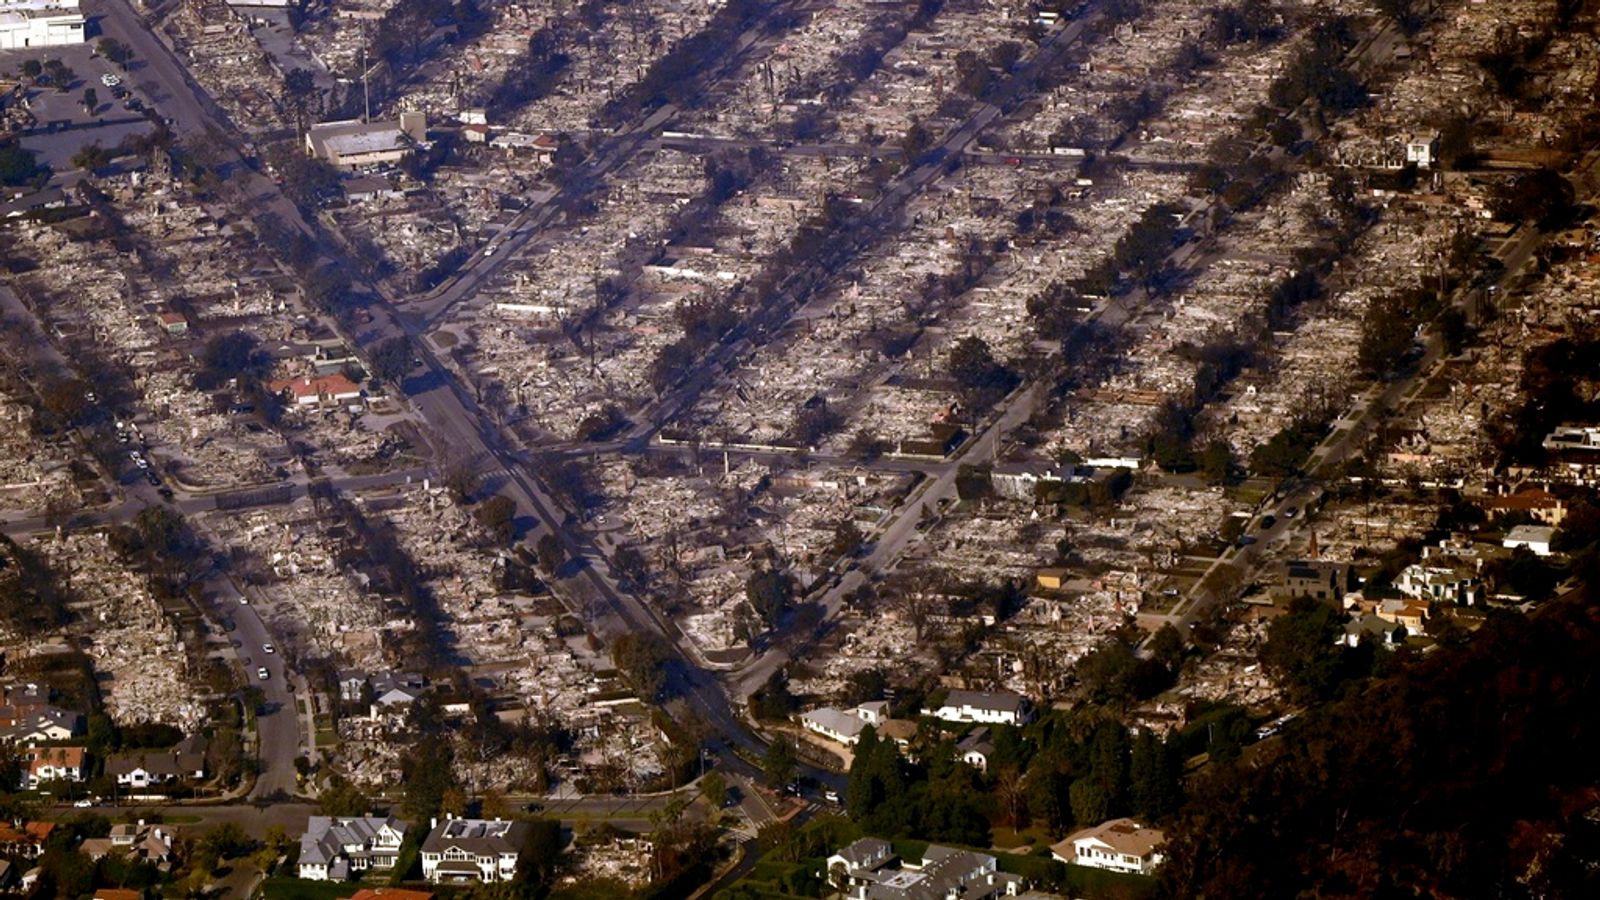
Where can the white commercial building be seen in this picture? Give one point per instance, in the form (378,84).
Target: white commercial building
(35,23)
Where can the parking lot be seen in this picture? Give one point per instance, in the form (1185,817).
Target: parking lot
(63,126)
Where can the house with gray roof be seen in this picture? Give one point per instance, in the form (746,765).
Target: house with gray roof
(468,850)
(986,707)
(869,870)
(334,847)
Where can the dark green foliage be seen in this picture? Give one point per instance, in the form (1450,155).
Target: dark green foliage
(427,775)
(391,360)
(1387,335)
(1523,574)
(233,354)
(1300,650)
(772,701)
(1542,198)
(642,658)
(550,552)
(1468,770)
(1153,777)
(779,763)
(1140,255)
(1408,14)
(983,380)
(1287,451)
(1248,21)
(769,592)
(18,165)
(498,516)
(1318,74)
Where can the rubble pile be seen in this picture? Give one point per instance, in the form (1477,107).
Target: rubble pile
(140,665)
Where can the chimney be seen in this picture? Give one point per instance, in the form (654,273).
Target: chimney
(415,125)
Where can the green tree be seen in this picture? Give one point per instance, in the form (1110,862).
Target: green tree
(642,659)
(91,100)
(1090,803)
(1387,330)
(1542,198)
(769,592)
(115,51)
(847,539)
(779,763)
(1300,650)
(341,798)
(550,552)
(300,96)
(428,776)
(498,515)
(715,789)
(61,75)
(391,360)
(1153,774)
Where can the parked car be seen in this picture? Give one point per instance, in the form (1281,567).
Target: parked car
(263,674)
(110,80)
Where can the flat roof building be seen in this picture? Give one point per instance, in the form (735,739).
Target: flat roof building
(353,144)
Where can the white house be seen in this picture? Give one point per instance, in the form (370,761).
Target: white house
(466,850)
(52,764)
(1455,583)
(976,748)
(334,847)
(986,707)
(845,725)
(1534,537)
(1121,845)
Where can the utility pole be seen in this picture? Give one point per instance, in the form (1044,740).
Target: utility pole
(366,91)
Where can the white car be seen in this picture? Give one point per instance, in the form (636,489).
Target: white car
(110,80)
(267,648)
(263,674)
(243,600)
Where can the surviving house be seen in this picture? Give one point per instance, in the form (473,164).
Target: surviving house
(24,840)
(1318,579)
(845,725)
(976,748)
(869,870)
(1534,537)
(141,842)
(353,144)
(334,847)
(394,694)
(325,390)
(986,707)
(140,769)
(467,850)
(52,764)
(49,725)
(1121,845)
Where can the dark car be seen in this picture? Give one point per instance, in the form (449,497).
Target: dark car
(1268,522)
